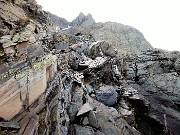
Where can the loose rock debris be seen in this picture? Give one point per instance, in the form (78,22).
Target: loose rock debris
(89,89)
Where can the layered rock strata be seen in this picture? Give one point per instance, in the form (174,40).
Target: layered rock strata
(67,83)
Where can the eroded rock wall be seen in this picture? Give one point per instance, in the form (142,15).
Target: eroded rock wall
(54,83)
(26,66)
(25,87)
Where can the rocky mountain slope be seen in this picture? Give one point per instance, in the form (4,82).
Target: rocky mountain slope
(79,81)
(124,39)
(58,21)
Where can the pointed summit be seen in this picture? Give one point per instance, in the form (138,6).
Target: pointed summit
(89,15)
(83,20)
(81,14)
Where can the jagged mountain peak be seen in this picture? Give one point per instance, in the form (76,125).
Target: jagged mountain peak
(83,20)
(75,81)
(81,14)
(80,20)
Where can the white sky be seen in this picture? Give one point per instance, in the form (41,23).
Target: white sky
(158,20)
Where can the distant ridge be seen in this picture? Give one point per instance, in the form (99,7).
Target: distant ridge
(125,39)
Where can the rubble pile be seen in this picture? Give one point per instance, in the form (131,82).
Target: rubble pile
(103,99)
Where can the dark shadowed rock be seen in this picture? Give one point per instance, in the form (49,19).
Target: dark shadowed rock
(63,82)
(107,95)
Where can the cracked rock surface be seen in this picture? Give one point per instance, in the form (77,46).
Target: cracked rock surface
(70,83)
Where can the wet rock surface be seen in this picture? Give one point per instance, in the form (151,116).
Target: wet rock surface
(55,83)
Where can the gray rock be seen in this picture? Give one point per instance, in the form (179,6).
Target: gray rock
(77,102)
(160,105)
(85,121)
(177,65)
(58,21)
(124,109)
(113,112)
(82,20)
(129,39)
(24,35)
(110,123)
(79,130)
(89,88)
(84,109)
(167,83)
(130,73)
(5,38)
(92,120)
(61,46)
(107,95)
(109,129)
(125,128)
(98,133)
(83,47)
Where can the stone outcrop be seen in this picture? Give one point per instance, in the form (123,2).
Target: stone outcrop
(25,87)
(25,66)
(67,82)
(156,72)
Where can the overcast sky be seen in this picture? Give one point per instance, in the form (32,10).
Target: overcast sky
(158,20)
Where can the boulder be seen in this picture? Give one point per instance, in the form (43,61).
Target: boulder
(107,95)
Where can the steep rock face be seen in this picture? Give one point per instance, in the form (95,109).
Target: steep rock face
(25,87)
(24,31)
(156,72)
(123,38)
(58,21)
(54,83)
(25,64)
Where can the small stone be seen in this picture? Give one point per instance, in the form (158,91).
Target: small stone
(89,88)
(74,46)
(85,121)
(93,96)
(84,109)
